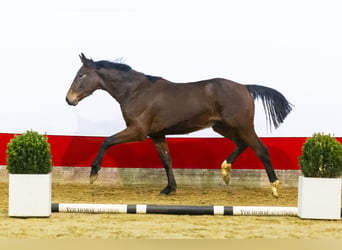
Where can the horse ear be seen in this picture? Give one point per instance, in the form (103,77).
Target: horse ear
(89,63)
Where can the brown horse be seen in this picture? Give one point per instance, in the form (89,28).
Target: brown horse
(154,107)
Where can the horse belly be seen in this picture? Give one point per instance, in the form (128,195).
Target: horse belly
(184,126)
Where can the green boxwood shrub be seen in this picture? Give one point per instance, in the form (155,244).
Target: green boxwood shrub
(321,157)
(29,153)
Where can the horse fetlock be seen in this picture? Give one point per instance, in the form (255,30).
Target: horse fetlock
(225,171)
(94,170)
(275,187)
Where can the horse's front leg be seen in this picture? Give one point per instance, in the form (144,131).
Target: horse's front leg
(164,154)
(96,165)
(129,134)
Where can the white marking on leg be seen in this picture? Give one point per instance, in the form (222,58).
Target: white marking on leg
(225,171)
(274,187)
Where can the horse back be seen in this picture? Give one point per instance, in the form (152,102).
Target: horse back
(178,108)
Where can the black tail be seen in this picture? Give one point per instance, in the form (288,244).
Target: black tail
(275,104)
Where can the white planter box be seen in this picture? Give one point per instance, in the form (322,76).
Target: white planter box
(29,195)
(319,198)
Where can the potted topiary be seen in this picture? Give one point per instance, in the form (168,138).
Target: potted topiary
(319,190)
(29,165)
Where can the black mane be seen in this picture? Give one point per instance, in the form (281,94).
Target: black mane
(153,78)
(121,67)
(112,65)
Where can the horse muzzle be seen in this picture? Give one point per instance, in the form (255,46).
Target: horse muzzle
(72,103)
(71,98)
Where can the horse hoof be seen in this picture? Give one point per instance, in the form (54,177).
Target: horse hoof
(225,171)
(93,178)
(168,191)
(274,187)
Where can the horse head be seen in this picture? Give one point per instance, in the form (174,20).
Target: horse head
(85,82)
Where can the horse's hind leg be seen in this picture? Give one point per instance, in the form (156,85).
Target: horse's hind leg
(261,151)
(242,140)
(240,147)
(227,163)
(164,154)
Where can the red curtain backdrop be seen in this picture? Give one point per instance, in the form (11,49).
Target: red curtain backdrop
(196,153)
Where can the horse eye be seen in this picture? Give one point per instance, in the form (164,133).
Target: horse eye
(81,75)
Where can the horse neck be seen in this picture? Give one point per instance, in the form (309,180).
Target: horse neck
(123,88)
